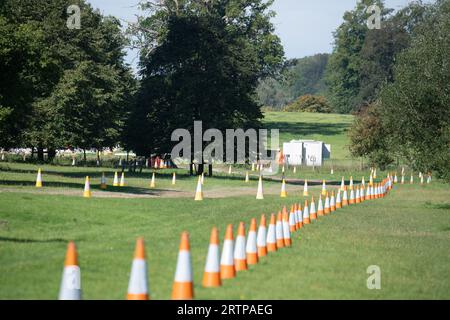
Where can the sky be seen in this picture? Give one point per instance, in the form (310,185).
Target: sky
(304,26)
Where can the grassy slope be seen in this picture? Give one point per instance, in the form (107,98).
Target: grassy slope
(330,128)
(407,234)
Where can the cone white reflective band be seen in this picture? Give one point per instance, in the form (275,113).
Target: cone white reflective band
(184,271)
(352,194)
(71,284)
(299,215)
(261,237)
(87,185)
(138,278)
(251,243)
(239,248)
(271,237)
(319,205)
(338,197)
(327,202)
(305,212)
(332,201)
(358,195)
(212,260)
(291,219)
(286,231)
(227,253)
(279,230)
(344,195)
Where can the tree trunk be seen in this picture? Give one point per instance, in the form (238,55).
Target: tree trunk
(84,157)
(40,154)
(51,153)
(201,166)
(210,170)
(191,171)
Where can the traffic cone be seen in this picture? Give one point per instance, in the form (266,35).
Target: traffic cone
(361,193)
(259,193)
(183,288)
(358,195)
(279,231)
(292,223)
(375,173)
(227,270)
(198,191)
(240,259)
(326,208)
(251,249)
(73,162)
(305,188)
(299,215)
(253,167)
(294,216)
(344,197)
(352,197)
(71,278)
(286,232)
(306,213)
(87,188)
(338,200)
(372,192)
(368,191)
(246,176)
(261,241)
(283,193)
(39,179)
(138,285)
(103,182)
(411,180)
(271,235)
(116,180)
(351,183)
(324,188)
(202,178)
(174,179)
(211,276)
(421,178)
(342,184)
(312,212)
(229,169)
(122,180)
(152,182)
(395,178)
(402,181)
(332,202)
(295,170)
(362,181)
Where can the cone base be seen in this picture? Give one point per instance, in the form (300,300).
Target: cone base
(313,216)
(287,242)
(262,252)
(182,291)
(138,296)
(306,221)
(252,258)
(326,211)
(198,197)
(283,195)
(227,272)
(87,194)
(211,280)
(338,205)
(271,247)
(280,243)
(240,264)
(345,203)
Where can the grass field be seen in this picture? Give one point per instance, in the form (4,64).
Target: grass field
(406,234)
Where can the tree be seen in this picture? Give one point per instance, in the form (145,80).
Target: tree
(416,106)
(309,103)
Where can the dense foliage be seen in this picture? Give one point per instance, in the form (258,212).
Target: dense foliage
(309,103)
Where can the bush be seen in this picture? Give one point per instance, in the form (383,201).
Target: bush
(309,103)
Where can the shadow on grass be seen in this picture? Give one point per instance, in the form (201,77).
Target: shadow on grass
(443,206)
(18,240)
(308,129)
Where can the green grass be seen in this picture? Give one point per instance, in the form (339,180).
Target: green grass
(407,234)
(329,128)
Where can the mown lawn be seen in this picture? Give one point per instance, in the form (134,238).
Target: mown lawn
(407,234)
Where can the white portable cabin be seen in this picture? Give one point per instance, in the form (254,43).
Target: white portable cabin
(306,152)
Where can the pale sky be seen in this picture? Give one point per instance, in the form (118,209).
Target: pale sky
(304,26)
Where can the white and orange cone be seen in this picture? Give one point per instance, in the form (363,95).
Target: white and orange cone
(352,197)
(299,213)
(338,200)
(363,183)
(87,188)
(202,178)
(253,167)
(358,195)
(116,180)
(342,184)
(312,211)
(211,276)
(227,270)
(279,231)
(183,287)
(39,179)
(251,248)
(372,192)
(368,191)
(271,240)
(375,173)
(261,241)
(351,183)
(332,202)
(103,182)
(324,188)
(229,169)
(259,193)
(286,232)
(174,178)
(283,193)
(395,178)
(138,285)
(292,223)
(344,197)
(305,188)
(306,213)
(326,208)
(246,177)
(198,190)
(71,278)
(122,180)
(240,259)
(361,193)
(371,180)
(153,182)
(295,170)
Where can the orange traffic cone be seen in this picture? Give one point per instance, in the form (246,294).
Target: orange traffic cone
(319,206)
(324,188)
(283,193)
(153,182)
(71,278)
(279,231)
(87,188)
(116,180)
(368,191)
(122,180)
(198,190)
(240,259)
(342,184)
(358,195)
(352,196)
(261,241)
(259,193)
(299,213)
(286,233)
(312,212)
(227,270)
(306,213)
(338,200)
(361,193)
(174,178)
(305,188)
(39,179)
(344,197)
(292,220)
(332,202)
(326,208)
(251,249)
(271,235)
(183,288)
(211,276)
(138,285)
